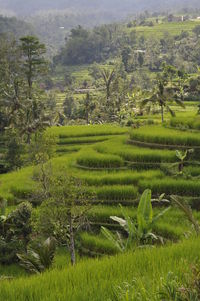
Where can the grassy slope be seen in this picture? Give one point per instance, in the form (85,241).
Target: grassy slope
(95,280)
(158,30)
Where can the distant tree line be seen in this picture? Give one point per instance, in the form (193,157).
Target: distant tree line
(110,41)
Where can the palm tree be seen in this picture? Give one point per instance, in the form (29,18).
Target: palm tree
(108,76)
(162,96)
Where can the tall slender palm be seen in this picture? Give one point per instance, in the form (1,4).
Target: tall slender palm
(162,96)
(108,76)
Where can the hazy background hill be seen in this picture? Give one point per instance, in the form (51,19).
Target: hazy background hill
(52,20)
(24,7)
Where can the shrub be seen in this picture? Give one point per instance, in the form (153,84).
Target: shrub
(21,193)
(15,232)
(9,248)
(39,258)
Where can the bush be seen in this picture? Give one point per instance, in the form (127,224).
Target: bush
(9,248)
(15,232)
(22,193)
(39,258)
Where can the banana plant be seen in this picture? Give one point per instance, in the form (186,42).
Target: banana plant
(182,157)
(40,258)
(140,231)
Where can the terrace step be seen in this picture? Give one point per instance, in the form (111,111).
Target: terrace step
(100,168)
(161,146)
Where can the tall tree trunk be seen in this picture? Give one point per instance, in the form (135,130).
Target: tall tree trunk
(28,138)
(107,91)
(162,113)
(72,244)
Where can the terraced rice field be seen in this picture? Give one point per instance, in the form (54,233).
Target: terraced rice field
(158,30)
(118,164)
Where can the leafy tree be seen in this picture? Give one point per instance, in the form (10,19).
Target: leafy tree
(11,80)
(15,150)
(88,107)
(126,54)
(15,230)
(69,106)
(34,63)
(23,108)
(42,148)
(108,77)
(63,212)
(196,30)
(140,59)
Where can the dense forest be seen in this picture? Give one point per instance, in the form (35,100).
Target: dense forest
(14,26)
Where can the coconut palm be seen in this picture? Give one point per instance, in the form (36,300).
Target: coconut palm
(162,96)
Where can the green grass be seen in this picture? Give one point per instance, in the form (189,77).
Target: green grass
(20,180)
(162,135)
(95,280)
(13,271)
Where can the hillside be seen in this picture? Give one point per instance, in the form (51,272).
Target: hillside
(121,8)
(99,150)
(14,26)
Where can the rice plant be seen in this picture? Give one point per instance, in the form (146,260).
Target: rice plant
(172,186)
(96,244)
(162,135)
(96,280)
(92,159)
(86,131)
(116,193)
